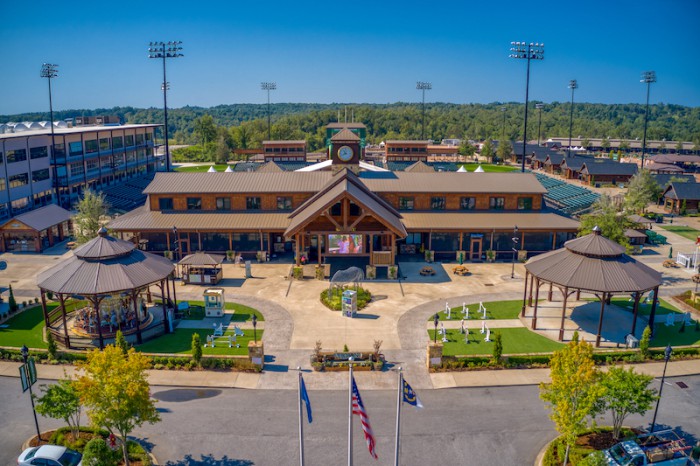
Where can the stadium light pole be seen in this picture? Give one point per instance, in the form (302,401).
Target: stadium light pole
(573,85)
(503,126)
(528,51)
(648,77)
(667,356)
(163,50)
(50,71)
(423,86)
(539,122)
(268,87)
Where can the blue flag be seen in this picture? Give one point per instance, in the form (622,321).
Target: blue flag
(305,398)
(409,396)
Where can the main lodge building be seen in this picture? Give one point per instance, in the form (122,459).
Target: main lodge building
(384,214)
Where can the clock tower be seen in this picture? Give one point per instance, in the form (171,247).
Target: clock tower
(345,151)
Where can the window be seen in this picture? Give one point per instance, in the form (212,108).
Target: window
(354,209)
(40,175)
(149,136)
(104,144)
(437,203)
(524,203)
(59,150)
(19,204)
(129,140)
(19,180)
(139,139)
(17,155)
(284,203)
(194,203)
(223,203)
(77,169)
(92,165)
(497,203)
(405,203)
(467,203)
(337,209)
(75,148)
(252,203)
(38,152)
(3,184)
(165,203)
(117,142)
(91,146)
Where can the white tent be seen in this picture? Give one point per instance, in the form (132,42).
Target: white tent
(462,169)
(228,169)
(211,169)
(479,169)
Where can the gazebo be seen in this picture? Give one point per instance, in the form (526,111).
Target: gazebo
(593,264)
(108,273)
(201,267)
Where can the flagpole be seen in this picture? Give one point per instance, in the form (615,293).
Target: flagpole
(301,423)
(350,415)
(398,418)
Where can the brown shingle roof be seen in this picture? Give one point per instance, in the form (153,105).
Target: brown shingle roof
(345,135)
(453,182)
(420,167)
(485,222)
(269,167)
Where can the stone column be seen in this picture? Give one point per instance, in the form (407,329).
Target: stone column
(256,353)
(434,355)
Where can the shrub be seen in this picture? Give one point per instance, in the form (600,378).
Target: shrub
(644,343)
(682,329)
(49,294)
(497,348)
(97,453)
(334,303)
(297,273)
(196,348)
(51,345)
(12,301)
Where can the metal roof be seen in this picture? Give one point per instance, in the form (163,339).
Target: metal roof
(104,247)
(421,167)
(202,258)
(453,182)
(609,168)
(143,219)
(74,130)
(477,221)
(43,217)
(345,135)
(680,191)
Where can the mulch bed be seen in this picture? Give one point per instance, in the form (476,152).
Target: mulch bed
(70,438)
(600,440)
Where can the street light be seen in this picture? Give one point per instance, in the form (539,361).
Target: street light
(648,77)
(667,356)
(436,319)
(24,351)
(176,241)
(255,326)
(50,71)
(265,86)
(573,85)
(539,122)
(516,240)
(165,50)
(423,86)
(528,51)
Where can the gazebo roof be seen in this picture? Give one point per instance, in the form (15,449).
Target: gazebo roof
(202,258)
(594,263)
(104,265)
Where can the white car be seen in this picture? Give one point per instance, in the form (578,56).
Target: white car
(49,455)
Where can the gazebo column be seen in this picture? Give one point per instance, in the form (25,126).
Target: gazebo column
(522,312)
(134,295)
(167,290)
(600,320)
(43,307)
(563,314)
(96,304)
(529,301)
(165,309)
(62,300)
(652,313)
(537,295)
(174,296)
(296,250)
(578,295)
(637,295)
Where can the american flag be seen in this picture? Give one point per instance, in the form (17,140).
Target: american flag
(359,409)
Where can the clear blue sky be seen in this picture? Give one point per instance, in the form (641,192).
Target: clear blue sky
(349,51)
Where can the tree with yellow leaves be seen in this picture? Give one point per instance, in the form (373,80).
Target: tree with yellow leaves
(115,392)
(574,391)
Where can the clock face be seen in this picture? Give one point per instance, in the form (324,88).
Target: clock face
(345,153)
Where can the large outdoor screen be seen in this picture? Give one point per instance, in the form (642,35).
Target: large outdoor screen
(345,244)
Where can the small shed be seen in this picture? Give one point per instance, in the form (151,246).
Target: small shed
(607,172)
(682,198)
(214,302)
(202,268)
(36,230)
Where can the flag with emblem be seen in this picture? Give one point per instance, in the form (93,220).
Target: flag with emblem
(409,396)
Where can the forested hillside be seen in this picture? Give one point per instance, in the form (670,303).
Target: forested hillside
(247,123)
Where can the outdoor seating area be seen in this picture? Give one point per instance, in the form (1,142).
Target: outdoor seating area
(568,198)
(427,271)
(460,270)
(655,238)
(128,194)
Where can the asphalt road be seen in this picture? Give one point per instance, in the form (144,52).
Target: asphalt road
(468,426)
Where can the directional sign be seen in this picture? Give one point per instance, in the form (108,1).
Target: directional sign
(23,377)
(27,374)
(32,371)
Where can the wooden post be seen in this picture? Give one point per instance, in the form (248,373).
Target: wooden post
(199,242)
(600,320)
(393,249)
(537,295)
(430,240)
(230,242)
(578,295)
(139,340)
(529,300)
(461,234)
(371,249)
(65,324)
(549,295)
(522,312)
(652,313)
(43,307)
(296,249)
(165,310)
(563,314)
(635,311)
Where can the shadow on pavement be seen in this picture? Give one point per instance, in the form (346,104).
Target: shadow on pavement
(209,460)
(186,394)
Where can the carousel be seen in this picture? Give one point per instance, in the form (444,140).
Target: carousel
(112,280)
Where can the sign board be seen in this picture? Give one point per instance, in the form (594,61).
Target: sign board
(3,265)
(23,377)
(32,371)
(27,374)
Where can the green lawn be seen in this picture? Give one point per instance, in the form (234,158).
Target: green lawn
(27,327)
(662,308)
(494,310)
(201,168)
(180,342)
(669,335)
(515,341)
(489,168)
(686,232)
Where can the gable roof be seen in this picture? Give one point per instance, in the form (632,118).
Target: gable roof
(420,167)
(576,162)
(681,191)
(614,168)
(270,167)
(554,159)
(43,217)
(347,183)
(664,179)
(345,135)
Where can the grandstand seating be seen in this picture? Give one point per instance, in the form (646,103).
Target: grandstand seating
(128,194)
(569,198)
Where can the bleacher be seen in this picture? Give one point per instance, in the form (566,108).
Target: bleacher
(399,166)
(569,198)
(128,194)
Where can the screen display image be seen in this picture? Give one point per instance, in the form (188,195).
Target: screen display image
(345,244)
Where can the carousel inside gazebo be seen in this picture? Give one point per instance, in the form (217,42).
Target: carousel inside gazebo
(110,280)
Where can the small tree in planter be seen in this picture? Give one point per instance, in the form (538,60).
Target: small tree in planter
(12,301)
(61,401)
(51,347)
(196,348)
(429,256)
(392,272)
(490,255)
(230,255)
(316,363)
(497,348)
(371,272)
(168,255)
(298,273)
(320,272)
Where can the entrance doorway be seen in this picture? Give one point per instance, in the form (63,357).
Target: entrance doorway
(475,247)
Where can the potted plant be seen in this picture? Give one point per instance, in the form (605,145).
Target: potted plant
(298,272)
(168,255)
(261,256)
(490,255)
(429,256)
(392,272)
(371,272)
(320,272)
(230,255)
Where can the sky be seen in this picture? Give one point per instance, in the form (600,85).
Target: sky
(350,52)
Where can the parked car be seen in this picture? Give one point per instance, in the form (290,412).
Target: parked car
(50,455)
(663,448)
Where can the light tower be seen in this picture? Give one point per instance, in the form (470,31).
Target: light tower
(50,71)
(648,77)
(423,86)
(539,122)
(268,86)
(573,85)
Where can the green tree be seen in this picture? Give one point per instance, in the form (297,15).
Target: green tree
(504,150)
(98,453)
(574,391)
(679,147)
(121,343)
(222,151)
(605,144)
(51,347)
(115,392)
(586,143)
(466,148)
(624,146)
(643,190)
(61,401)
(205,129)
(626,392)
(644,342)
(606,216)
(487,150)
(497,348)
(12,302)
(196,348)
(87,221)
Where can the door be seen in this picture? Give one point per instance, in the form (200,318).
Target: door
(475,248)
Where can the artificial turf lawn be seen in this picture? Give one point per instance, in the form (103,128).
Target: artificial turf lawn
(201,168)
(662,308)
(180,342)
(494,310)
(515,341)
(664,335)
(686,232)
(26,328)
(489,168)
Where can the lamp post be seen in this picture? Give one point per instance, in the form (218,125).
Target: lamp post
(516,240)
(163,50)
(667,356)
(529,52)
(573,85)
(50,71)
(648,77)
(24,351)
(176,241)
(539,122)
(436,319)
(423,86)
(266,86)
(255,326)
